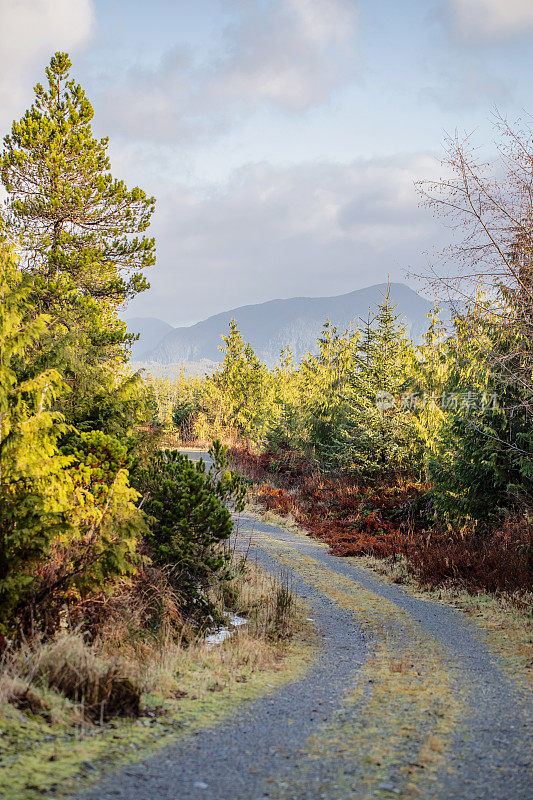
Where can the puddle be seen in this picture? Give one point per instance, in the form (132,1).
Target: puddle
(220,635)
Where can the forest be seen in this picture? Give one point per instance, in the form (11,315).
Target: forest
(117,552)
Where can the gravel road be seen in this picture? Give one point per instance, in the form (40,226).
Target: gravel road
(405,700)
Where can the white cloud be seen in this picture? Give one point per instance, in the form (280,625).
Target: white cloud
(292,53)
(311,229)
(491,19)
(30,32)
(289,54)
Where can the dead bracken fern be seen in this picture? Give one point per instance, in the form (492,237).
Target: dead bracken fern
(392,521)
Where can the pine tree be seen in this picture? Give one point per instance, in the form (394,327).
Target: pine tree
(81,235)
(430,372)
(189,517)
(284,413)
(68,212)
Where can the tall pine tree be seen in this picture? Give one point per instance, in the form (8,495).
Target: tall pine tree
(70,215)
(81,232)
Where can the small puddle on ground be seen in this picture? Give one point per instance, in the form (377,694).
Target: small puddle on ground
(223,633)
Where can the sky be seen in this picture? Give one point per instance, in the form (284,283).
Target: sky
(281,138)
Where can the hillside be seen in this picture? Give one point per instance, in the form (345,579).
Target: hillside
(151,331)
(273,325)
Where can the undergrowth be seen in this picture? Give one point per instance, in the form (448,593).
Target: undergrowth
(391,520)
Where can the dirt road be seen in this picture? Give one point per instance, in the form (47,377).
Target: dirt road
(405,700)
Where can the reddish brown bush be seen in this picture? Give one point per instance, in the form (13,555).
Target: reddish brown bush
(391,520)
(289,467)
(479,561)
(275,500)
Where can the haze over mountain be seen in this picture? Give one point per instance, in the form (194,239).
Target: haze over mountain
(273,325)
(152,330)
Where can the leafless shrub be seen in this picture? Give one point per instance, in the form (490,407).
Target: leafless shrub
(489,206)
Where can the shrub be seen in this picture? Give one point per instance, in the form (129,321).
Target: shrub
(189,519)
(101,542)
(139,617)
(398,521)
(487,560)
(482,467)
(33,482)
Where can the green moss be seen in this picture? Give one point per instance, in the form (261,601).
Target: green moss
(503,622)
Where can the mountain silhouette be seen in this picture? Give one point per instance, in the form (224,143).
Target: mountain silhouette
(276,324)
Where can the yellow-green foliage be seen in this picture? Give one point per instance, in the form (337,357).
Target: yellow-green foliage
(33,478)
(326,405)
(68,517)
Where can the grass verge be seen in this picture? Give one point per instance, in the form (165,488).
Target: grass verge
(505,619)
(50,745)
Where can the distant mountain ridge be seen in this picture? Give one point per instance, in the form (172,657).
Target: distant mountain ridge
(152,330)
(275,324)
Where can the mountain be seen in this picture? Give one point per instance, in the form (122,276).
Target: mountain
(151,330)
(295,322)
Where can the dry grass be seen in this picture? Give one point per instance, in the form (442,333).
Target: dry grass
(129,656)
(57,697)
(265,600)
(99,687)
(505,618)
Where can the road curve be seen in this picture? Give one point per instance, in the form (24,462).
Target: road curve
(405,700)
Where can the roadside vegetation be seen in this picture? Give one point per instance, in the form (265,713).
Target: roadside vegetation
(71,707)
(117,555)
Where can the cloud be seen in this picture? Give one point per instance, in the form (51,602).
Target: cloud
(292,53)
(491,19)
(287,54)
(464,83)
(30,32)
(308,229)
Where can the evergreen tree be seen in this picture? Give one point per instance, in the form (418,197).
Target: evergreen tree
(284,413)
(33,482)
(481,466)
(81,234)
(242,386)
(189,518)
(69,214)
(430,373)
(105,523)
(377,438)
(324,377)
